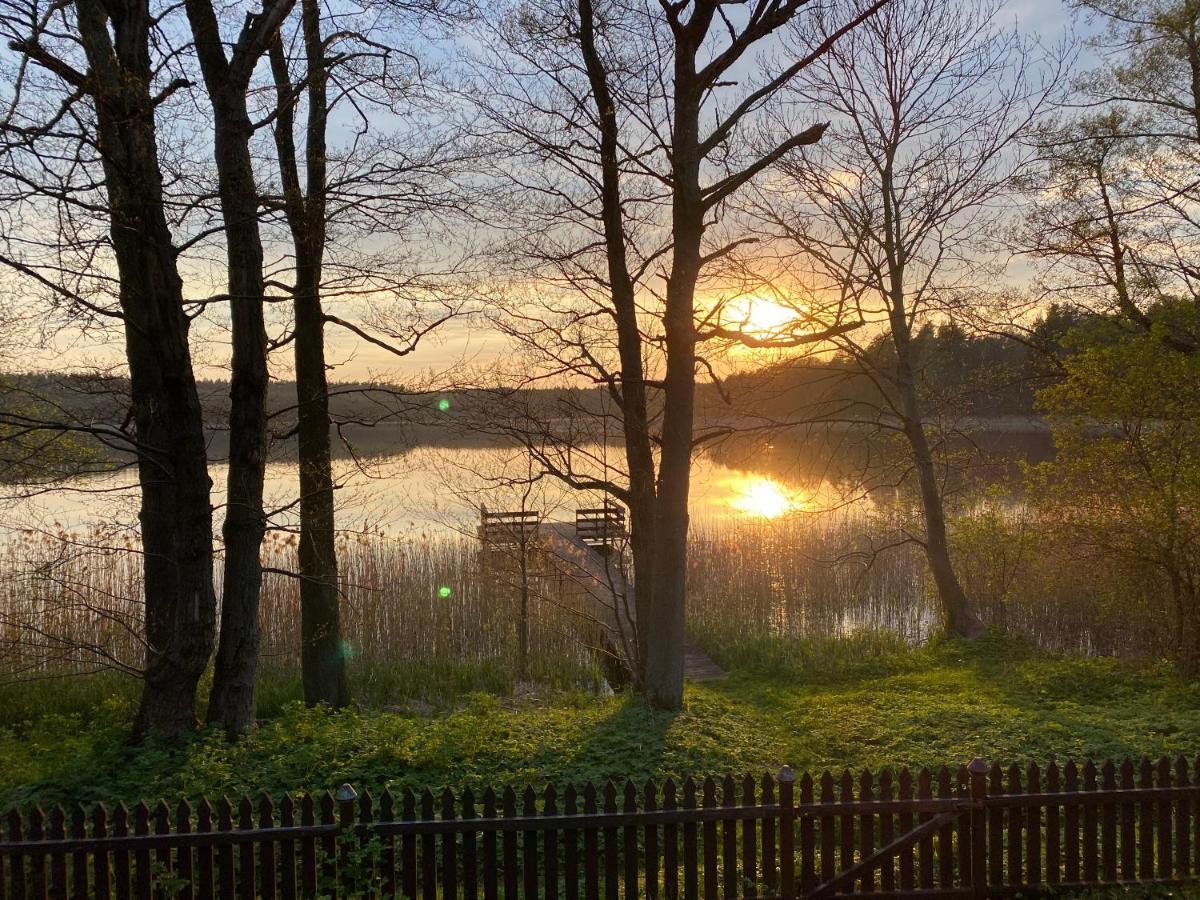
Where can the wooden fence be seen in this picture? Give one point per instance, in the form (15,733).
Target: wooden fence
(979,831)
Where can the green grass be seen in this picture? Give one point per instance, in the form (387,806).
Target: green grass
(866,702)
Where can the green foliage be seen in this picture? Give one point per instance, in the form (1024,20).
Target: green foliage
(866,703)
(1125,486)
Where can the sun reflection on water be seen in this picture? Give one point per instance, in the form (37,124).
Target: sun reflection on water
(765,498)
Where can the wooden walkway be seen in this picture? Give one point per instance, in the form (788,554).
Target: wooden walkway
(611,596)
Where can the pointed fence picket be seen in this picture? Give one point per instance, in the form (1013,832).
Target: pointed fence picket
(976,831)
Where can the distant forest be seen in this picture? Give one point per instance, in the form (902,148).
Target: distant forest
(963,374)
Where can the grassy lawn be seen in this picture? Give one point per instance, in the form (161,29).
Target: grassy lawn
(860,703)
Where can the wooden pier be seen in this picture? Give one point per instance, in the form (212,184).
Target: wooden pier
(588,554)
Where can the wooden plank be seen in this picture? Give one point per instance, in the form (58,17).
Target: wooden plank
(1108,824)
(711,851)
(550,844)
(1053,829)
(887,834)
(670,845)
(1145,823)
(79,860)
(1015,824)
(37,858)
(925,845)
(907,871)
(1128,814)
(846,822)
(529,847)
(1183,822)
(629,849)
(945,835)
(470,844)
(491,878)
(206,882)
(121,869)
(866,829)
(729,869)
(449,884)
(750,879)
(1071,824)
(591,875)
(691,867)
(570,847)
(770,836)
(388,882)
(287,850)
(612,847)
(246,879)
(1033,829)
(650,837)
(508,865)
(1162,827)
(58,860)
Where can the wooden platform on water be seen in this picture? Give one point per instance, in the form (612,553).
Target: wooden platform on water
(612,598)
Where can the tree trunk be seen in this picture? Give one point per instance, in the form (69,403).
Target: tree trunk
(631,396)
(322,656)
(665,640)
(176,511)
(232,702)
(960,619)
(322,659)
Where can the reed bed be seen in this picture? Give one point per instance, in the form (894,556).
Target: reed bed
(71,603)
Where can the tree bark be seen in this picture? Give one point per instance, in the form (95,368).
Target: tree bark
(176,511)
(232,702)
(959,617)
(665,641)
(322,659)
(631,394)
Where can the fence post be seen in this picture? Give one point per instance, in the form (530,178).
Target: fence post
(345,796)
(979,789)
(787,834)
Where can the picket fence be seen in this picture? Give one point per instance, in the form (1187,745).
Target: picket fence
(979,831)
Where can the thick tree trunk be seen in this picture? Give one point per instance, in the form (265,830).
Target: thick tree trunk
(322,656)
(232,703)
(322,659)
(176,511)
(665,640)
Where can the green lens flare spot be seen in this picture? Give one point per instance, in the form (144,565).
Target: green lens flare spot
(348,650)
(444,592)
(443,405)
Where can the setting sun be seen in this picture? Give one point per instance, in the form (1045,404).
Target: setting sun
(762,497)
(758,316)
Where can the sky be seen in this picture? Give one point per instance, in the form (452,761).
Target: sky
(455,343)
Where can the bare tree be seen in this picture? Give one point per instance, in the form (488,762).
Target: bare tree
(384,181)
(626,132)
(227,80)
(928,99)
(81,149)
